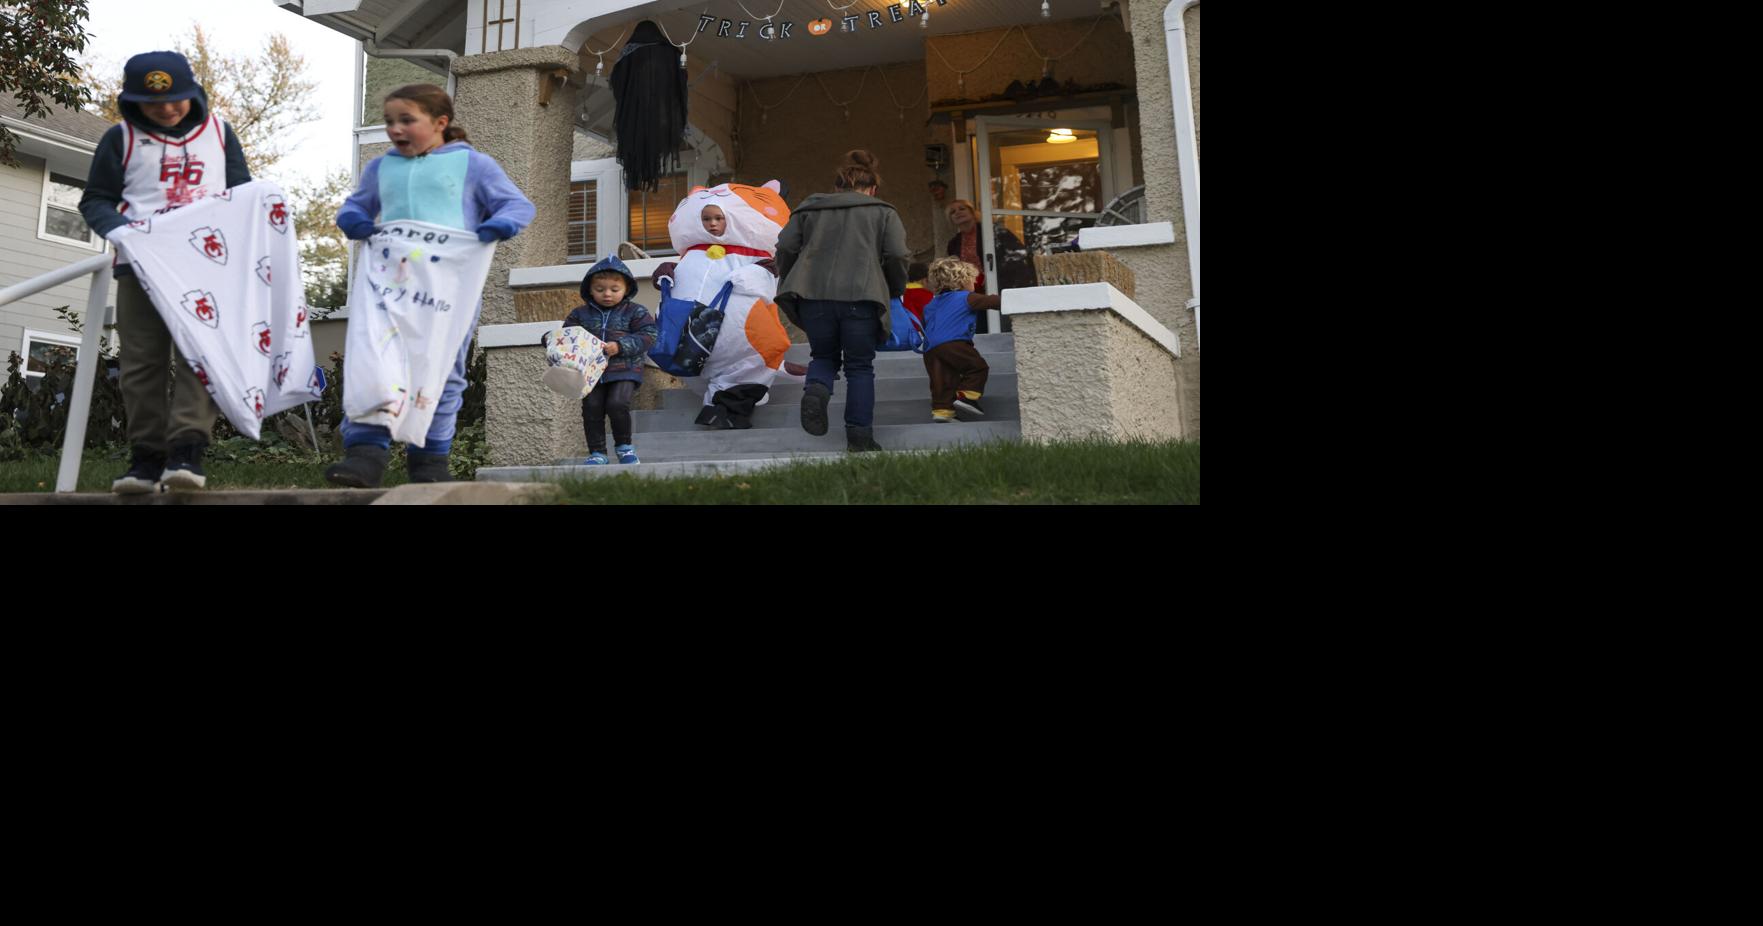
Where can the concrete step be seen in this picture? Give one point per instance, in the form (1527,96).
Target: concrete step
(1001,385)
(897,363)
(987,344)
(679,446)
(773,415)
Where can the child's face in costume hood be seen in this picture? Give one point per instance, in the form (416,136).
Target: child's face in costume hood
(714,221)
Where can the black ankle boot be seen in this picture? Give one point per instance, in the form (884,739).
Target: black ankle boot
(427,467)
(363,467)
(860,440)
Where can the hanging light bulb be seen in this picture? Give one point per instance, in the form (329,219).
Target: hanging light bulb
(599,65)
(763,114)
(847,114)
(682,59)
(924,21)
(1046,9)
(1046,68)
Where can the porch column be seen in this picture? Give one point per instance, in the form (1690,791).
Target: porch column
(498,99)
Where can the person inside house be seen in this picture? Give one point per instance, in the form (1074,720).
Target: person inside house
(941,229)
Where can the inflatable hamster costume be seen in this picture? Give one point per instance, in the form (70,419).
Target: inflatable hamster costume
(749,351)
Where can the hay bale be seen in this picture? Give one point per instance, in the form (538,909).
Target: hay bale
(1084,267)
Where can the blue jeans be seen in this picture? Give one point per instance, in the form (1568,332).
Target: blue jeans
(440,435)
(844,334)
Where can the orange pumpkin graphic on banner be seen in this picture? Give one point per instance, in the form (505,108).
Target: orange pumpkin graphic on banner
(820,27)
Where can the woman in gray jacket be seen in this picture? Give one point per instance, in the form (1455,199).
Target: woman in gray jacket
(841,258)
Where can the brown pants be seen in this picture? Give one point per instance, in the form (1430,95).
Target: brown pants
(954,366)
(155,422)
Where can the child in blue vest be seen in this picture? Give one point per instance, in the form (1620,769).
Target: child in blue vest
(431,175)
(628,331)
(957,371)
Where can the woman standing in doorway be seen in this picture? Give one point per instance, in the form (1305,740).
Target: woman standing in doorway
(968,246)
(841,258)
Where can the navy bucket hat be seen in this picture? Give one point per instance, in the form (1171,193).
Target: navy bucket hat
(158,77)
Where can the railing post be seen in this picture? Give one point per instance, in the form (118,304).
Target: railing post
(80,407)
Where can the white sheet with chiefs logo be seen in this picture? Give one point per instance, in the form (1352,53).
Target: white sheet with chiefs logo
(224,273)
(412,304)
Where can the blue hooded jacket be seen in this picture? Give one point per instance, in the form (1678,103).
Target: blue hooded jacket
(628,323)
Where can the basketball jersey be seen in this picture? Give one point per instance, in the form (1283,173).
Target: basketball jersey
(160,173)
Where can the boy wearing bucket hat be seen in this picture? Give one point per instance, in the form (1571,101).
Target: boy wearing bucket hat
(168,151)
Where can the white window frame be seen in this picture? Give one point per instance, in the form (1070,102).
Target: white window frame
(47,337)
(614,197)
(609,212)
(97,244)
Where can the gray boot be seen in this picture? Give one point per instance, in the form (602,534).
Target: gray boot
(363,467)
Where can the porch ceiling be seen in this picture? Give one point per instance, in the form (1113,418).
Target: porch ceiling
(396,23)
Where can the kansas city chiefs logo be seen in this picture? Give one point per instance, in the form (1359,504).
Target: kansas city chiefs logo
(260,337)
(254,401)
(280,367)
(300,321)
(144,226)
(278,213)
(263,270)
(201,372)
(224,194)
(210,243)
(200,303)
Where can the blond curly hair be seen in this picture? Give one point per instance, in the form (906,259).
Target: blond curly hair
(952,274)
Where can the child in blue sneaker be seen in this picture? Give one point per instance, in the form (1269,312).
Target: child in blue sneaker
(628,331)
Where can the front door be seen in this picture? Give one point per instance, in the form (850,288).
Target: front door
(1040,181)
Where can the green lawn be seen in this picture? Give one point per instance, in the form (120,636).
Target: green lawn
(1088,473)
(97,469)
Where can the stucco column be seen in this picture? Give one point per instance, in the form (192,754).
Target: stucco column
(1164,282)
(497,100)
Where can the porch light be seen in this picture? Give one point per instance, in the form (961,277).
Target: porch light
(1061,137)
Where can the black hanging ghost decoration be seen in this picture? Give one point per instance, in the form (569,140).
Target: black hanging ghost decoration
(649,87)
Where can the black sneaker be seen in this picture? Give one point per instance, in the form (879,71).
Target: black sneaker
(814,399)
(363,467)
(183,469)
(970,406)
(145,465)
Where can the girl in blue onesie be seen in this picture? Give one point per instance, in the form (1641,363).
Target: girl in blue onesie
(431,175)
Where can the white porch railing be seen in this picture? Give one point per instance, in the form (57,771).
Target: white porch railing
(97,315)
